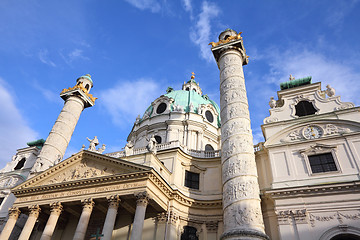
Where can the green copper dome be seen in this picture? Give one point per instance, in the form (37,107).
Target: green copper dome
(185,98)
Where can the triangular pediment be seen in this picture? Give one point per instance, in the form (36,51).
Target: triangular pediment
(81,167)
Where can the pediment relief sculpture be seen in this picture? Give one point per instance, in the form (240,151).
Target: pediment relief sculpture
(82,166)
(313,130)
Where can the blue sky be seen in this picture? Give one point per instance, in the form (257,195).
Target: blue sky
(135,49)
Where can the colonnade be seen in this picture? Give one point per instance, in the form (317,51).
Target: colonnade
(56,209)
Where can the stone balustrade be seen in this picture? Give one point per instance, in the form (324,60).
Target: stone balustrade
(176,144)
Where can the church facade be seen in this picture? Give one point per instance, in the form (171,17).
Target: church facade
(190,170)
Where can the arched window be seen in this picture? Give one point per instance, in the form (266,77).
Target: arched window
(226,37)
(189,233)
(87,87)
(187,89)
(158,139)
(208,148)
(20,164)
(304,108)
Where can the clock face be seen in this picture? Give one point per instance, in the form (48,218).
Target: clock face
(312,132)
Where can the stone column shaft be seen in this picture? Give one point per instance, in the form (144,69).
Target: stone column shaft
(56,209)
(84,220)
(139,218)
(30,223)
(241,198)
(9,226)
(110,217)
(59,137)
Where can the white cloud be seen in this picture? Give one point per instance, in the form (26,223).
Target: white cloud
(129,98)
(73,55)
(302,62)
(337,12)
(152,5)
(47,93)
(14,129)
(200,34)
(188,6)
(44,57)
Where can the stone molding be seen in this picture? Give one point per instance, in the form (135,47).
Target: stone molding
(336,188)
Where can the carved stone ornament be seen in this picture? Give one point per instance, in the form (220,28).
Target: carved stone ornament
(142,198)
(289,216)
(331,129)
(86,169)
(339,216)
(14,212)
(88,204)
(8,182)
(34,210)
(56,207)
(247,216)
(272,102)
(234,191)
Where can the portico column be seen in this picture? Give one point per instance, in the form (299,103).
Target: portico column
(80,231)
(56,209)
(141,203)
(241,196)
(110,217)
(30,223)
(9,226)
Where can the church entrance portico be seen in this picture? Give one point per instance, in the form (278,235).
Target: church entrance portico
(61,199)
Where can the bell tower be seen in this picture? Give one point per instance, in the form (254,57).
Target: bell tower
(242,214)
(76,99)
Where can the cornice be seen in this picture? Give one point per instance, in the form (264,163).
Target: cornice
(82,183)
(307,191)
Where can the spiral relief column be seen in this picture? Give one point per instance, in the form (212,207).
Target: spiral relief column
(241,200)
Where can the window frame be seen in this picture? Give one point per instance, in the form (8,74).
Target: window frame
(319,149)
(191,173)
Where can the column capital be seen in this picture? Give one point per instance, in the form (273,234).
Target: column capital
(142,198)
(56,208)
(14,212)
(114,201)
(88,204)
(34,210)
(161,217)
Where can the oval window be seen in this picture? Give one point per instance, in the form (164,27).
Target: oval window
(209,116)
(158,139)
(161,108)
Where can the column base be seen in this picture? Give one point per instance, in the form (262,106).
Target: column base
(244,234)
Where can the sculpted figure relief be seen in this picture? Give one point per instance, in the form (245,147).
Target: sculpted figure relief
(129,148)
(151,146)
(93,143)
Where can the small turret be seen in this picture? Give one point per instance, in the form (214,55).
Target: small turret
(192,85)
(85,81)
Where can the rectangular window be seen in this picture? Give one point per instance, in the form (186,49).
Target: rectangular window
(191,180)
(322,163)
(1,200)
